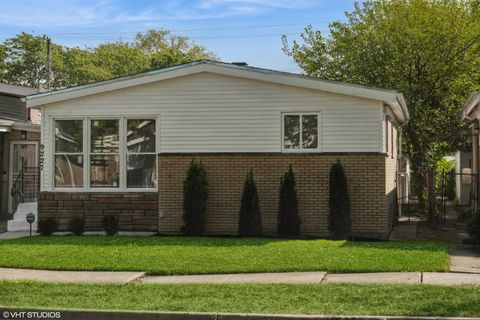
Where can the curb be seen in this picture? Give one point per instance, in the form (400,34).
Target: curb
(18,313)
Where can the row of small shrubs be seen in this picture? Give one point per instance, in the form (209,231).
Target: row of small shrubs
(195,191)
(76,225)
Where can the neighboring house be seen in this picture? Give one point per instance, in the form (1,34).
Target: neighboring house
(123,147)
(463,177)
(19,140)
(471,112)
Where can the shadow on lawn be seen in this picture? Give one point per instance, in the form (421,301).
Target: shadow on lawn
(118,241)
(220,242)
(417,245)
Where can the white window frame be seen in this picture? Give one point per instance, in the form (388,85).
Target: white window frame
(87,152)
(301,149)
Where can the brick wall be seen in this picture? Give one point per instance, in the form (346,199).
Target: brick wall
(391,179)
(366,174)
(137,211)
(17,135)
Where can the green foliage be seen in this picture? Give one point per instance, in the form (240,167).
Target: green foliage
(427,49)
(47,226)
(288,216)
(250,220)
(195,194)
(110,224)
(445,178)
(23,59)
(339,222)
(76,226)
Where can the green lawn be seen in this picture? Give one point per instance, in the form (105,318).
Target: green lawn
(415,300)
(202,255)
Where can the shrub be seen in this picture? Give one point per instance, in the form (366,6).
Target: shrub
(76,226)
(339,223)
(195,196)
(47,226)
(250,220)
(110,224)
(445,178)
(288,217)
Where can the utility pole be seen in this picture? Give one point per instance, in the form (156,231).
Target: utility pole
(49,61)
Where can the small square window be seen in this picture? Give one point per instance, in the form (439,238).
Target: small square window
(300,132)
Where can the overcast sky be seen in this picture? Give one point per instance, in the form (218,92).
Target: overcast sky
(248,30)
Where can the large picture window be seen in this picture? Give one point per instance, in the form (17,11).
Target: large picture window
(141,156)
(300,132)
(104,154)
(121,153)
(68,153)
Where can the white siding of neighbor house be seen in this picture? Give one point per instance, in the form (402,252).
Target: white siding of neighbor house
(207,112)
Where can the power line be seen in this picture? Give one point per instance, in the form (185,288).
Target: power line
(178,30)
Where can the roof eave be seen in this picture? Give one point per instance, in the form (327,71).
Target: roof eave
(469,106)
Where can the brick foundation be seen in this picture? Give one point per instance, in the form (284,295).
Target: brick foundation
(370,182)
(137,211)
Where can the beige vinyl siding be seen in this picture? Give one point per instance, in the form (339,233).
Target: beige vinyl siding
(207,112)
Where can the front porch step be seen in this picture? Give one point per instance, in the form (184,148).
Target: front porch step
(19,222)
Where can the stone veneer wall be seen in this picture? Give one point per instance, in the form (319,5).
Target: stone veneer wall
(366,174)
(137,211)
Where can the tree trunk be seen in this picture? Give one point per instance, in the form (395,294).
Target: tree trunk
(419,191)
(432,208)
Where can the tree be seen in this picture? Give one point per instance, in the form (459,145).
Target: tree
(428,49)
(165,49)
(339,222)
(288,217)
(195,194)
(23,59)
(250,220)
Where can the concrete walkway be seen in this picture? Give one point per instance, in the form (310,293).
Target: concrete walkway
(434,278)
(13,274)
(464,259)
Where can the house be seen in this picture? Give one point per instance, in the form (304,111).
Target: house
(123,147)
(19,151)
(471,113)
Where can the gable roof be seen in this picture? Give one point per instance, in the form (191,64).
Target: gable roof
(391,98)
(16,91)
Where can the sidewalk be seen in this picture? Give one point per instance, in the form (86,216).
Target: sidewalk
(433,278)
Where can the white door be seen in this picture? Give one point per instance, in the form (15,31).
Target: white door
(25,152)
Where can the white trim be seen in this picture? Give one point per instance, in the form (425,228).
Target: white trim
(301,149)
(86,152)
(390,97)
(31,127)
(10,166)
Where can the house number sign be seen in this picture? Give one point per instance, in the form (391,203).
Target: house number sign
(42,156)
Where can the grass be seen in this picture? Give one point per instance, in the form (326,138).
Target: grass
(202,255)
(342,299)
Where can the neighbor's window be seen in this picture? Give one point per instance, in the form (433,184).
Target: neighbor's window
(104,154)
(141,155)
(300,131)
(68,153)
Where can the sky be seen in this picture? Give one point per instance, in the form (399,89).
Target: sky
(236,30)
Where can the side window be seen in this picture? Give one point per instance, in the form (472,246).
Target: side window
(300,132)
